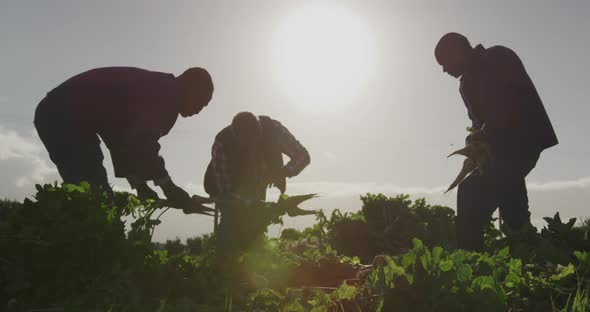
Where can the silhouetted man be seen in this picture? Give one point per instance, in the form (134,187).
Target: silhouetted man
(499,96)
(247,158)
(129,109)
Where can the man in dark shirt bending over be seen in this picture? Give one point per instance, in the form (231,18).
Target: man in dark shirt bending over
(129,109)
(501,98)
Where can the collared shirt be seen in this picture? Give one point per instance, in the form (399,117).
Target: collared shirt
(289,145)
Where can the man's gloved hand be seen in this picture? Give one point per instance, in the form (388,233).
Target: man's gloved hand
(279,181)
(176,195)
(279,184)
(468,139)
(476,133)
(145,192)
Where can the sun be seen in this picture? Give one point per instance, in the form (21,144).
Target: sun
(322,56)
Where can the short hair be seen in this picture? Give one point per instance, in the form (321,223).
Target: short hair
(450,40)
(246,121)
(198,76)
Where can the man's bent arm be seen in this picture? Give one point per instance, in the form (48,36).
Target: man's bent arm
(290,146)
(143,161)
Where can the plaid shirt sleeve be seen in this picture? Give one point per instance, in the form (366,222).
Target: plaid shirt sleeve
(290,146)
(220,168)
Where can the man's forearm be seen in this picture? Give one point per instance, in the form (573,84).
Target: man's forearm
(136,181)
(300,160)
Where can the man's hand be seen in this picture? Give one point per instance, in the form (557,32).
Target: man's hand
(145,192)
(176,195)
(282,186)
(279,181)
(468,139)
(198,206)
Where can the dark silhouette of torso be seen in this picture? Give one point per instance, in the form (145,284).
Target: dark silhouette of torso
(499,93)
(130,108)
(263,163)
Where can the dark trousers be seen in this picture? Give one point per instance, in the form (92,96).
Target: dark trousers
(502,185)
(76,154)
(237,230)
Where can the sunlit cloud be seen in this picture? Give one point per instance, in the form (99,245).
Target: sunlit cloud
(22,164)
(580,183)
(339,189)
(344,189)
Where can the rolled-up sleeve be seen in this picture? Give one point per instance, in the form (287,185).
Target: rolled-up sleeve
(298,155)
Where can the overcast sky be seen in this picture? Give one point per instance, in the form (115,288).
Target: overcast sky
(382,118)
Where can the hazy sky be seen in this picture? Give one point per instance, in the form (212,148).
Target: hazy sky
(355,81)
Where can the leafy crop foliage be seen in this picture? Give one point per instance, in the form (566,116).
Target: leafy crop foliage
(68,249)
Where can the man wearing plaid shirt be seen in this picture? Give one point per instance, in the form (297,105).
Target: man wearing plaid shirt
(247,158)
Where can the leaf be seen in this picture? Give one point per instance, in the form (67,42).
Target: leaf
(565,272)
(408,260)
(70,188)
(294,307)
(504,252)
(294,201)
(417,243)
(425,261)
(391,270)
(464,272)
(515,266)
(469,165)
(512,280)
(583,257)
(457,257)
(571,223)
(484,282)
(446,265)
(321,308)
(410,278)
(346,292)
(436,254)
(380,306)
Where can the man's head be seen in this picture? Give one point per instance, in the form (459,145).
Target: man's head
(247,129)
(453,52)
(196,90)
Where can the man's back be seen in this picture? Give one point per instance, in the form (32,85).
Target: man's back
(500,94)
(114,100)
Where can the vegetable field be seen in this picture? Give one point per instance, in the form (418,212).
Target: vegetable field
(67,250)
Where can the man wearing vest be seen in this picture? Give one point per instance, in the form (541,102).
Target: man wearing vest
(501,98)
(247,158)
(129,109)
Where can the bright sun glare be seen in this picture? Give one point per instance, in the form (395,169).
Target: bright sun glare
(322,55)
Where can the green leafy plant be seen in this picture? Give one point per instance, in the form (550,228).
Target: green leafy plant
(69,249)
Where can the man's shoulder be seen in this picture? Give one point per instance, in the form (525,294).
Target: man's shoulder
(224,134)
(114,73)
(264,118)
(499,49)
(499,53)
(267,121)
(122,69)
